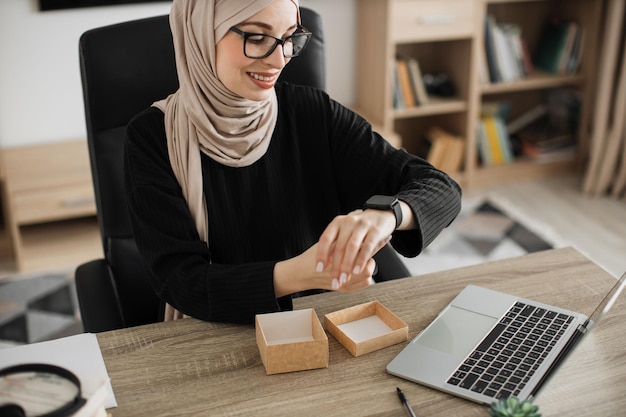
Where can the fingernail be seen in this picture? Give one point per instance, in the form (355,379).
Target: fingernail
(356,269)
(343,278)
(335,284)
(320,266)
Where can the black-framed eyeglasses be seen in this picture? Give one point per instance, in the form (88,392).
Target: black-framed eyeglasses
(261,45)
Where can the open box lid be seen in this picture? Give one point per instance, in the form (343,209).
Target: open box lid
(366,327)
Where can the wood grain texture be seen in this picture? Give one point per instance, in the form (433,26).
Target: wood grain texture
(190,367)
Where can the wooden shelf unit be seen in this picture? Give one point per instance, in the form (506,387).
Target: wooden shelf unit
(448,36)
(41,184)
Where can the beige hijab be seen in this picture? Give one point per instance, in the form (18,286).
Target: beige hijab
(203,115)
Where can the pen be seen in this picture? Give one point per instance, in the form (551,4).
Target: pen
(405,404)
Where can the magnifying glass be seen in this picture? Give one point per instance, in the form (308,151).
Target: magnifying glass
(39,390)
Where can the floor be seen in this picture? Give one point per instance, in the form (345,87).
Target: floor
(482,232)
(595,226)
(37,309)
(555,209)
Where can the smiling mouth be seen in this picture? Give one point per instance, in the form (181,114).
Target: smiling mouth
(261,77)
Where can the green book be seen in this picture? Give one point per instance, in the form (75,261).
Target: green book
(551,45)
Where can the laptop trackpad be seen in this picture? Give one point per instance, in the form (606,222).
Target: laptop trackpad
(456,331)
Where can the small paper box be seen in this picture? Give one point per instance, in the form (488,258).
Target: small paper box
(291,341)
(365,328)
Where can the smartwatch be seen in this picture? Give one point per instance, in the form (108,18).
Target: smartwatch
(385,202)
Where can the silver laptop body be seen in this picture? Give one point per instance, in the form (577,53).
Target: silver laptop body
(477,343)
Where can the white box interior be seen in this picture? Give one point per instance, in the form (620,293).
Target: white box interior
(365,328)
(287,327)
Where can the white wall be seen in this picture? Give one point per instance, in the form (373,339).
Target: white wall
(40,90)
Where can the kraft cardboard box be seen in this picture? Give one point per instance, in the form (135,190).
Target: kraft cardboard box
(365,328)
(291,341)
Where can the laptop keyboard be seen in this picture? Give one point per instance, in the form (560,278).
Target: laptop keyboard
(506,359)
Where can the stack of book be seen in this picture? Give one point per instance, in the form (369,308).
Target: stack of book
(546,132)
(409,89)
(560,47)
(446,150)
(506,52)
(494,144)
(540,138)
(543,144)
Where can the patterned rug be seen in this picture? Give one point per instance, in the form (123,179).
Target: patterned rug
(482,232)
(38,307)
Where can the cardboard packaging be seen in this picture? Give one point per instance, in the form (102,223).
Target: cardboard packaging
(291,341)
(365,328)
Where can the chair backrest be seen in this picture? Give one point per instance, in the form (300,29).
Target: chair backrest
(126,67)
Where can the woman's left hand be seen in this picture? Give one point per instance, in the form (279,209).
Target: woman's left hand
(351,240)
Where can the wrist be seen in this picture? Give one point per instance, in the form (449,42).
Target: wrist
(299,274)
(285,278)
(386,203)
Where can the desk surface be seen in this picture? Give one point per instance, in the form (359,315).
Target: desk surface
(190,367)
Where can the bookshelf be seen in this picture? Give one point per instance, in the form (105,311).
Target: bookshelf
(448,36)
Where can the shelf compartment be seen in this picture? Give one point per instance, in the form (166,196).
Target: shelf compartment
(413,130)
(534,82)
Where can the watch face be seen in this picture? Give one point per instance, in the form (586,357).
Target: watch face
(382,201)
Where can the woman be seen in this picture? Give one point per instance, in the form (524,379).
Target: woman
(244,191)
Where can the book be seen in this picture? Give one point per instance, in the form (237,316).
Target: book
(527,118)
(417,81)
(541,144)
(447,150)
(437,151)
(568,47)
(493,140)
(529,69)
(496,144)
(576,54)
(505,51)
(490,52)
(507,67)
(484,152)
(505,140)
(541,138)
(406,86)
(454,155)
(552,42)
(398,100)
(513,35)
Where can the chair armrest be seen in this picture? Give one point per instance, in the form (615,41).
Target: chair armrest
(98,300)
(389,265)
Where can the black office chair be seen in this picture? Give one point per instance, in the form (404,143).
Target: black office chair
(125,68)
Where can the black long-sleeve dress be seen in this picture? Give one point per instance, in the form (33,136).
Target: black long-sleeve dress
(323,160)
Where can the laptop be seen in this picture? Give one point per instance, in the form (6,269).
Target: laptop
(486,345)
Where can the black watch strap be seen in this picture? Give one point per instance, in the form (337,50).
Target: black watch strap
(384,202)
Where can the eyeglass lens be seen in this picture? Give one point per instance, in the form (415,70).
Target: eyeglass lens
(260,46)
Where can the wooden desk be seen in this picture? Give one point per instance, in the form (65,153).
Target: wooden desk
(189,367)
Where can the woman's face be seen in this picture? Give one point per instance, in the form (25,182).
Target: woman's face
(254,79)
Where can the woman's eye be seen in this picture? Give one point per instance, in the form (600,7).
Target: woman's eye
(257,39)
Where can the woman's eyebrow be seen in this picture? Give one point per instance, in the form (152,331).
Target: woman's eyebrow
(266,26)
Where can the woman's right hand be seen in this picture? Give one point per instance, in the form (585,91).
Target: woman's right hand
(300,274)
